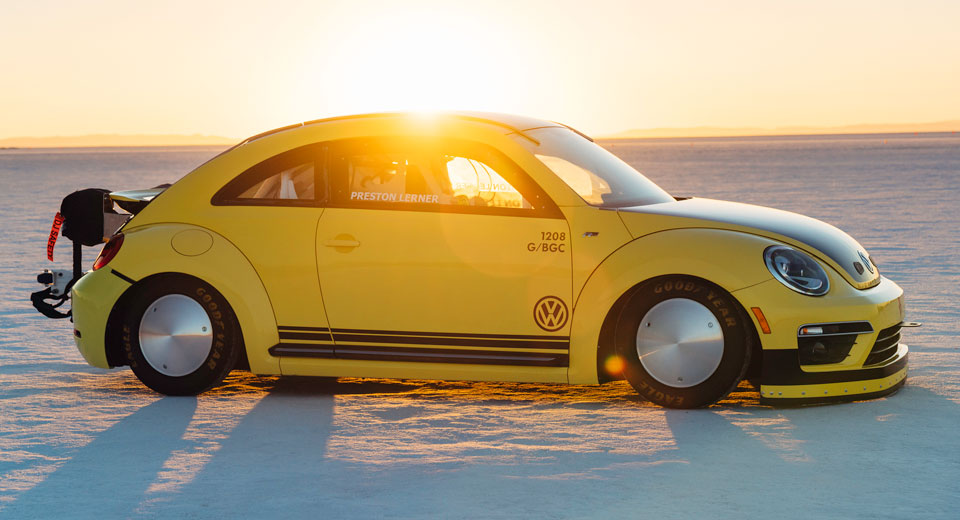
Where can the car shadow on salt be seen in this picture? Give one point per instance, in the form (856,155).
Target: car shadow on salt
(369,447)
(114,470)
(413,448)
(272,460)
(846,458)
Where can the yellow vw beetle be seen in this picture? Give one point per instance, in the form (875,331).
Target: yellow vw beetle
(475,247)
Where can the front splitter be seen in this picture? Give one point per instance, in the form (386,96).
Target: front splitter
(824,388)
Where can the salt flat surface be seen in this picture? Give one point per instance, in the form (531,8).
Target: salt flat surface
(80,442)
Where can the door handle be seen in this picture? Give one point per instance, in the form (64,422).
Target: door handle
(342,242)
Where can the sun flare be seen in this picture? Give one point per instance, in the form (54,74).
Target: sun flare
(432,61)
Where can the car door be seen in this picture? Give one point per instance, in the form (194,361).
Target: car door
(442,251)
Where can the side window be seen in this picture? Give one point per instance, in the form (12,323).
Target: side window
(292,178)
(475,183)
(294,183)
(379,176)
(436,175)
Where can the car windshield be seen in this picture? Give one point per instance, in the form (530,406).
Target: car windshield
(598,176)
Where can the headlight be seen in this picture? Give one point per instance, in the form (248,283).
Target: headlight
(796,270)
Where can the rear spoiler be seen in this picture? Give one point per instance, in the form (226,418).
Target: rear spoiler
(135,200)
(88,218)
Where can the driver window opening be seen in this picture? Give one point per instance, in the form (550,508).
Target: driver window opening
(426,175)
(477,184)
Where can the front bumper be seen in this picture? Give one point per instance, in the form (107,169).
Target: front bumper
(785,381)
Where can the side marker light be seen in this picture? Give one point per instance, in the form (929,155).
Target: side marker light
(761,319)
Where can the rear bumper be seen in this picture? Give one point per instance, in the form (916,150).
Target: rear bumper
(93,298)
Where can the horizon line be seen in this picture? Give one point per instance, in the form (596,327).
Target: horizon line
(795,130)
(113,140)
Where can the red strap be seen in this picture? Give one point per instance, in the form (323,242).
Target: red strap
(54,231)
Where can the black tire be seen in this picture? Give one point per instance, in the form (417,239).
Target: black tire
(735,357)
(225,337)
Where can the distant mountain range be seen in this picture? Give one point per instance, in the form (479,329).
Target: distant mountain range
(115,140)
(716,131)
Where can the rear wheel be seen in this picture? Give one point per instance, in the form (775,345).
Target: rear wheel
(684,342)
(180,336)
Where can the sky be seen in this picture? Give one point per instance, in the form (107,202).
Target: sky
(236,68)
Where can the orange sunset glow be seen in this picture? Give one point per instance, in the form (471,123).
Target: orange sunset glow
(229,69)
(480,259)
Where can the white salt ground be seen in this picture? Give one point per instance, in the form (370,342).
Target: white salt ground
(79,442)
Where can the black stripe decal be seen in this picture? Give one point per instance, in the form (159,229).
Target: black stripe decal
(122,276)
(426,338)
(393,346)
(450,334)
(460,342)
(782,367)
(301,350)
(421,355)
(472,358)
(306,335)
(305,329)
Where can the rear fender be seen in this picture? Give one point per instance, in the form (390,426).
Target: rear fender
(204,254)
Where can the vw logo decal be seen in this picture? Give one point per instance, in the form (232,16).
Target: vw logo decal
(550,313)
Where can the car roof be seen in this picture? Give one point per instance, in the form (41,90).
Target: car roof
(511,123)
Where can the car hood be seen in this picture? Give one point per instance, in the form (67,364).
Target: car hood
(828,243)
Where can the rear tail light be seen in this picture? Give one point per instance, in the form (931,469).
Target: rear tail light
(109,251)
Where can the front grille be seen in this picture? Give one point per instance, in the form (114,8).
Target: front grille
(886,346)
(823,350)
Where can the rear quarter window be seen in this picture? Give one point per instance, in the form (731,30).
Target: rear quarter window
(293,178)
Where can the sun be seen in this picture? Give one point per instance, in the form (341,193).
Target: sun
(416,60)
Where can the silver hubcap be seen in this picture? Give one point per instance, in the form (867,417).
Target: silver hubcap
(175,335)
(680,342)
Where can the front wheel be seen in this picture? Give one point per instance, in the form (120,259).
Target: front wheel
(684,342)
(180,335)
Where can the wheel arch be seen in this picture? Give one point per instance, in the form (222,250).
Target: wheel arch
(732,261)
(148,252)
(606,346)
(113,343)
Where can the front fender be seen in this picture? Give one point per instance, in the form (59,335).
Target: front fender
(203,253)
(730,259)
